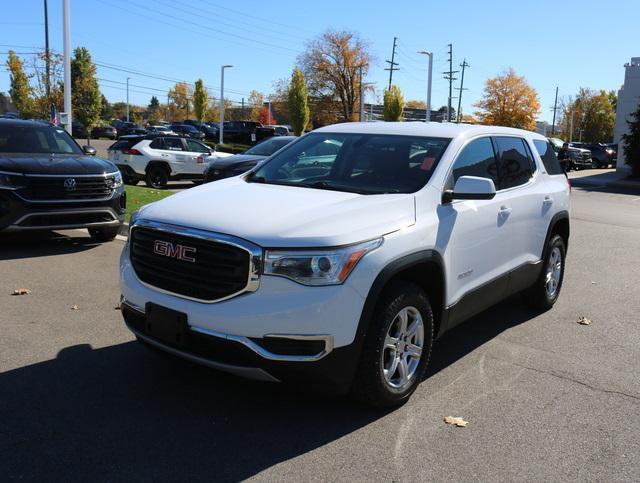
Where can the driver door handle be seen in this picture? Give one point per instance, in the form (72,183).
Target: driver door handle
(504,211)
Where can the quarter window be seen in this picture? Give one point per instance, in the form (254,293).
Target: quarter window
(515,165)
(548,155)
(476,159)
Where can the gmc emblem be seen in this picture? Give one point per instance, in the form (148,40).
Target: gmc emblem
(179,252)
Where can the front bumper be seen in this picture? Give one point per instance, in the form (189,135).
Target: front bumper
(18,214)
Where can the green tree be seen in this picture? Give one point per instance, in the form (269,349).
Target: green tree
(85,93)
(393,104)
(153,109)
(107,109)
(200,100)
(19,90)
(593,116)
(631,143)
(298,102)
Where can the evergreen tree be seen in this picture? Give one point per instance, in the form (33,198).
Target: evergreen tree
(393,104)
(631,143)
(86,96)
(298,102)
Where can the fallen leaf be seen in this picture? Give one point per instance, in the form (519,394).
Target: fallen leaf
(74,307)
(21,291)
(584,321)
(594,283)
(455,421)
(117,307)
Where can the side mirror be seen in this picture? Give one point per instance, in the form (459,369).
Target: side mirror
(470,188)
(89,150)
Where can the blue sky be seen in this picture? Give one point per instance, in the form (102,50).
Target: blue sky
(567,43)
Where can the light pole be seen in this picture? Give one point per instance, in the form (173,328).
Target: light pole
(128,98)
(221,130)
(67,64)
(428,113)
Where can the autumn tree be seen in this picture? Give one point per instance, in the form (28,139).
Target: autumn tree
(508,100)
(179,97)
(591,114)
(631,143)
(256,101)
(298,102)
(85,93)
(332,65)
(38,81)
(200,100)
(20,91)
(415,104)
(266,117)
(393,104)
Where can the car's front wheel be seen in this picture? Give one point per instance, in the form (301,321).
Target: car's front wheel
(104,234)
(397,347)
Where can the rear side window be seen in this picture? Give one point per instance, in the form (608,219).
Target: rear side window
(515,165)
(476,159)
(123,144)
(548,155)
(157,143)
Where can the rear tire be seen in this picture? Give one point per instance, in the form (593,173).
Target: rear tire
(157,177)
(397,347)
(130,180)
(546,289)
(104,234)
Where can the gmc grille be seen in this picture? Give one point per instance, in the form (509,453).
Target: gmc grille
(53,188)
(212,270)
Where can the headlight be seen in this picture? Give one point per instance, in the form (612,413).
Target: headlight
(117,180)
(317,267)
(10,181)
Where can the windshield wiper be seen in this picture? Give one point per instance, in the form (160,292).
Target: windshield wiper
(351,189)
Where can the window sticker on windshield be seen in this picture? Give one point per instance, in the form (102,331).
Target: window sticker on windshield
(427,164)
(60,131)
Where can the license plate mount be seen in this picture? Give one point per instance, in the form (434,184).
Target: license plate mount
(166,325)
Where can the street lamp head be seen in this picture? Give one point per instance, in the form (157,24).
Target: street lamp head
(425,52)
(226,65)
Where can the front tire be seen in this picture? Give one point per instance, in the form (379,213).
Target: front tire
(397,347)
(544,293)
(104,234)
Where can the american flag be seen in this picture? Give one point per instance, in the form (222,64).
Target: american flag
(54,115)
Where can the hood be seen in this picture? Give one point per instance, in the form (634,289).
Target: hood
(284,216)
(55,164)
(237,159)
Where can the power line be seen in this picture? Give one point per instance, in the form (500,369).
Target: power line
(392,64)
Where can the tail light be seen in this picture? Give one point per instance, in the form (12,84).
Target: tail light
(200,160)
(133,152)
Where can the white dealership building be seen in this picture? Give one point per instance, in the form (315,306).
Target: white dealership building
(628,101)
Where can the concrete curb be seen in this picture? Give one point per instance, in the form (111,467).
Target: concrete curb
(124,230)
(628,184)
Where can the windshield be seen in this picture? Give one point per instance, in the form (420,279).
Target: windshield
(31,139)
(359,163)
(268,147)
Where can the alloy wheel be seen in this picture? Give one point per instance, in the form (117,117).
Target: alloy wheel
(403,347)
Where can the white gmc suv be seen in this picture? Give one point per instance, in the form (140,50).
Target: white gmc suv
(343,268)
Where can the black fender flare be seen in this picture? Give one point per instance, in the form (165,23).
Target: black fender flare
(561,215)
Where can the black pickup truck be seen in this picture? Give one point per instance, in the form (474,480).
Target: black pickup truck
(246,132)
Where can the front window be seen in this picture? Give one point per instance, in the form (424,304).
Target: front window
(268,147)
(31,139)
(359,163)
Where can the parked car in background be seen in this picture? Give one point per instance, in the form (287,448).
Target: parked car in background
(187,130)
(281,130)
(161,130)
(210,131)
(125,128)
(104,131)
(246,132)
(345,270)
(10,115)
(158,159)
(78,130)
(239,163)
(602,155)
(48,182)
(579,158)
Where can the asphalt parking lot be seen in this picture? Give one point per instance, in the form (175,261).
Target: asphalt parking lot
(546,399)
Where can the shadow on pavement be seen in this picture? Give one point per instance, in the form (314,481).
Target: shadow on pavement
(608,182)
(15,246)
(126,413)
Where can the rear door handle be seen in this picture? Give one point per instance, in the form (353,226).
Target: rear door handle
(547,201)
(504,211)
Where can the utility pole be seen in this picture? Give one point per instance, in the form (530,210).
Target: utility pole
(555,107)
(128,98)
(221,130)
(269,110)
(47,59)
(427,115)
(463,65)
(67,63)
(243,108)
(167,115)
(449,76)
(392,64)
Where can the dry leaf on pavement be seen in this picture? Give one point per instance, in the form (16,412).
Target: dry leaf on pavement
(455,421)
(21,291)
(74,307)
(584,321)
